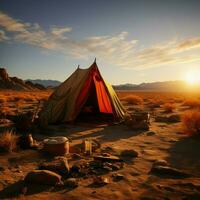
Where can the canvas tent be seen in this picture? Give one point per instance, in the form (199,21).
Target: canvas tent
(84,91)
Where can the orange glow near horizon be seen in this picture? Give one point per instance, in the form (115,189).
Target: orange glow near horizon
(193,77)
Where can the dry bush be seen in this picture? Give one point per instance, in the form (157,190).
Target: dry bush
(154,103)
(192,103)
(8,141)
(133,99)
(168,107)
(191,122)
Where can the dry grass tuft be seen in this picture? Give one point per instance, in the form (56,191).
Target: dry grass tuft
(191,122)
(8,141)
(192,103)
(133,99)
(169,107)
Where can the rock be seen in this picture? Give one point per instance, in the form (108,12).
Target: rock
(129,153)
(118,177)
(71,182)
(107,167)
(150,133)
(168,119)
(105,154)
(174,118)
(100,181)
(75,169)
(3,74)
(168,171)
(43,177)
(160,163)
(58,165)
(117,166)
(76,156)
(2,169)
(161,119)
(107,158)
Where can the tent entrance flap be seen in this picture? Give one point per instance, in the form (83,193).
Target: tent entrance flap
(102,96)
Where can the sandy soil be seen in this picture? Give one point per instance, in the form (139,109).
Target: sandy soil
(166,143)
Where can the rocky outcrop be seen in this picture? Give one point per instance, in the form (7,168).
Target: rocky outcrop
(15,83)
(3,74)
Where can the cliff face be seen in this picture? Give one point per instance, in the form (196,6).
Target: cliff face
(14,83)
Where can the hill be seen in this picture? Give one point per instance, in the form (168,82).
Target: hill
(15,83)
(45,83)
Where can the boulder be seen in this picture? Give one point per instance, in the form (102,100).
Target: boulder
(58,165)
(43,177)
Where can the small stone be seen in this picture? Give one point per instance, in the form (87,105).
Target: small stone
(150,133)
(75,169)
(129,153)
(116,166)
(76,156)
(105,154)
(100,181)
(18,171)
(107,158)
(2,169)
(71,182)
(160,163)
(117,177)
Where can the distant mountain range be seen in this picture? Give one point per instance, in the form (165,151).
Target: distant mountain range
(45,83)
(176,86)
(7,82)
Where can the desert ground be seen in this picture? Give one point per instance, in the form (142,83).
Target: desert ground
(167,142)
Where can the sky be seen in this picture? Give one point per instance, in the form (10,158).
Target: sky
(133,41)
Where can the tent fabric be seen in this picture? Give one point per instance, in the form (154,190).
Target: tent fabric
(67,101)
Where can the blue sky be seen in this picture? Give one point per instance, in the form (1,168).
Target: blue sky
(133,41)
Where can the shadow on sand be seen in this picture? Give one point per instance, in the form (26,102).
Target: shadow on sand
(184,155)
(104,133)
(20,188)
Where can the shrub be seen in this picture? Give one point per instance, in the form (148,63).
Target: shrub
(191,122)
(192,103)
(168,107)
(133,99)
(154,103)
(8,141)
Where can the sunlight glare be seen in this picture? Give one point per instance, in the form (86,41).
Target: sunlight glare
(193,77)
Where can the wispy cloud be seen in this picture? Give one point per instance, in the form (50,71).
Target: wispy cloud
(3,36)
(116,49)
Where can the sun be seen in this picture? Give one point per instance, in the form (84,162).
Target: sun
(192,78)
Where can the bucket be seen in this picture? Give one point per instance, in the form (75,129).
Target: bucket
(56,145)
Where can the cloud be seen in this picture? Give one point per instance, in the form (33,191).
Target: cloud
(3,36)
(188,44)
(116,49)
(11,24)
(60,31)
